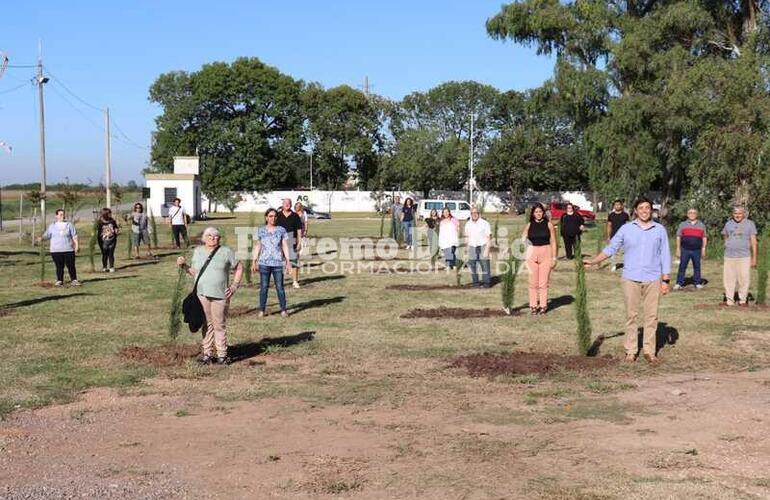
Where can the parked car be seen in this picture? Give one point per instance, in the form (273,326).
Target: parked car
(557,209)
(460,209)
(312,214)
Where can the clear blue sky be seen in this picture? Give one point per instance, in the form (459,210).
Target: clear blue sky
(109,52)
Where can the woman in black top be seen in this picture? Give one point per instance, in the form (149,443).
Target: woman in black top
(107,238)
(407,221)
(541,257)
(432,221)
(572,225)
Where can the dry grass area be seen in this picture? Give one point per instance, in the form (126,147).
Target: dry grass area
(347,398)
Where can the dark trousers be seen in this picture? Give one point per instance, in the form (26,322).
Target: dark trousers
(179,231)
(264,283)
(569,245)
(108,253)
(61,259)
(685,258)
(476,257)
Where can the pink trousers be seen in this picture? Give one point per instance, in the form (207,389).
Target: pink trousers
(539,261)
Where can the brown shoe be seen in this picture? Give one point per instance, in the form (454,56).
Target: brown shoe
(630,358)
(652,359)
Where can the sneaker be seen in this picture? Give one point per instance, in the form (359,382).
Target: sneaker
(224,360)
(59,283)
(261,314)
(295,284)
(105,270)
(205,359)
(74,283)
(699,286)
(677,287)
(284,314)
(613,268)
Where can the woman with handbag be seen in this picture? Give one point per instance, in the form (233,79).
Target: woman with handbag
(211,267)
(270,255)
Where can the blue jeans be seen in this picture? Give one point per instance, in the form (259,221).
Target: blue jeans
(264,284)
(476,257)
(406,227)
(449,256)
(686,256)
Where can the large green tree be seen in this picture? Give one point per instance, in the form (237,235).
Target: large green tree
(243,119)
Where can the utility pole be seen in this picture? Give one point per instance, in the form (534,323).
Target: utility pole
(311,170)
(108,157)
(40,80)
(470,162)
(366,86)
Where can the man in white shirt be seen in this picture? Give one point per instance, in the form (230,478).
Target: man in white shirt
(479,242)
(177,218)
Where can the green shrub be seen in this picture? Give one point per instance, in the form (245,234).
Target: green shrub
(92,245)
(509,282)
(581,305)
(175,312)
(763,266)
(153,228)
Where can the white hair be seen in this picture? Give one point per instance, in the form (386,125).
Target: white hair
(739,208)
(211,230)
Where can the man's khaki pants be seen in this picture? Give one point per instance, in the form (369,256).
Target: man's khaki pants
(737,270)
(215,310)
(641,296)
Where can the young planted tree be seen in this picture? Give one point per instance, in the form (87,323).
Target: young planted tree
(42,262)
(509,282)
(130,244)
(92,246)
(153,228)
(496,229)
(175,312)
(250,245)
(581,305)
(459,263)
(763,266)
(382,224)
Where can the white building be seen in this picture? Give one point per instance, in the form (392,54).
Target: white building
(184,184)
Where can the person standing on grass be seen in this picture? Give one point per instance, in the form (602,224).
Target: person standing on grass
(691,241)
(140,230)
(299,209)
(431,227)
(646,268)
(214,291)
(396,208)
(269,256)
(479,245)
(64,246)
(292,223)
(449,237)
(540,236)
(107,237)
(407,221)
(615,220)
(740,235)
(177,219)
(572,226)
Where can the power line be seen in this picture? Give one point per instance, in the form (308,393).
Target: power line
(78,110)
(59,82)
(14,89)
(126,139)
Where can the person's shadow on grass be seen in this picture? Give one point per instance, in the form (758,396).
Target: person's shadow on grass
(247,350)
(311,304)
(664,335)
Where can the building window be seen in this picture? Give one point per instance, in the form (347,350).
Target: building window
(169,194)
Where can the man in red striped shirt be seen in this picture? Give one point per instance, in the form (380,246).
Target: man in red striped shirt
(691,243)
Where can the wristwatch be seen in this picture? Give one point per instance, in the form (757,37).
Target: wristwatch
(666,281)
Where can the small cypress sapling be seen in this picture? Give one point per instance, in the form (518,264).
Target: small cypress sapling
(509,282)
(42,262)
(459,263)
(393,226)
(763,266)
(382,224)
(154,228)
(581,306)
(250,245)
(92,246)
(175,313)
(497,227)
(129,244)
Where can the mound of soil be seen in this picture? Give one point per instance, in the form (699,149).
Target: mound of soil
(162,355)
(44,284)
(722,306)
(455,313)
(421,288)
(237,311)
(522,363)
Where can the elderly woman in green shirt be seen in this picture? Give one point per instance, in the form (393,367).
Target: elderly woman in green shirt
(214,291)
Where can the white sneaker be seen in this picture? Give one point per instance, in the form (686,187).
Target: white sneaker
(613,268)
(112,269)
(104,270)
(295,284)
(58,283)
(699,287)
(74,283)
(677,287)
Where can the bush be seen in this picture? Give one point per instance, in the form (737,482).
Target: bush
(581,305)
(175,313)
(763,266)
(153,228)
(509,282)
(92,246)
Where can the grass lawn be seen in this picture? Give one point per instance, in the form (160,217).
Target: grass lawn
(345,344)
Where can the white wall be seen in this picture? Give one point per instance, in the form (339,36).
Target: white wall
(185,191)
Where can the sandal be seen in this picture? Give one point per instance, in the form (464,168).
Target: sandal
(542,310)
(533,311)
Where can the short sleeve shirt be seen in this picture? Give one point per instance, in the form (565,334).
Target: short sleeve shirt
(691,235)
(291,223)
(738,238)
(177,215)
(216,276)
(617,220)
(271,253)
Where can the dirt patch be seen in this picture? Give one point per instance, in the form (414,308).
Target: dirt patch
(421,288)
(523,363)
(44,284)
(723,306)
(455,313)
(162,355)
(237,311)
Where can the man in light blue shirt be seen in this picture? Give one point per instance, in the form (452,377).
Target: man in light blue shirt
(646,269)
